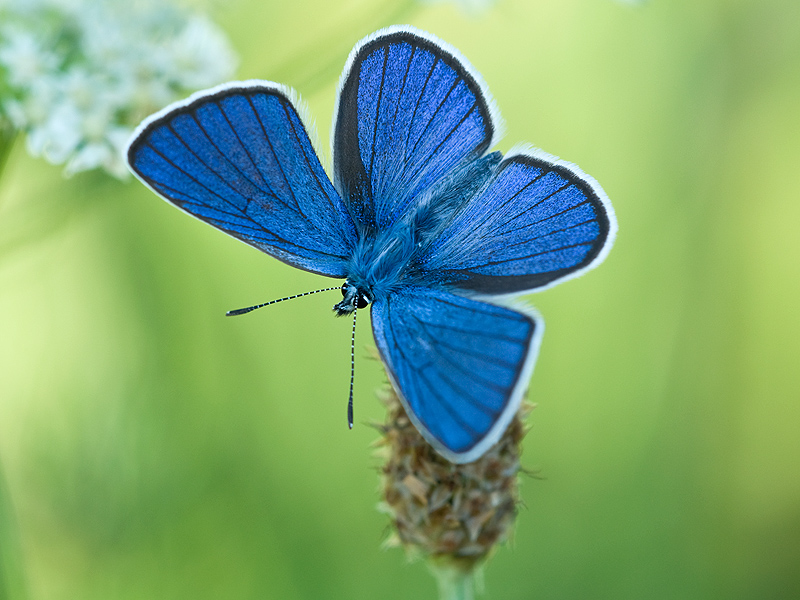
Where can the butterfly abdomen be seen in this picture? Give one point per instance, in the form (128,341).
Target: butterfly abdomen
(436,208)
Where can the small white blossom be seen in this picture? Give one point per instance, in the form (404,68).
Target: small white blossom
(78,75)
(23,57)
(58,136)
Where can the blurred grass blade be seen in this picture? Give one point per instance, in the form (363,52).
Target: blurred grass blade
(7,137)
(11,574)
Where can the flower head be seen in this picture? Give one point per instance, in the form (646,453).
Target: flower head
(453,514)
(79,75)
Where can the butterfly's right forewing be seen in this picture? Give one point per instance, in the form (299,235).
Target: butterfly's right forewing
(239,158)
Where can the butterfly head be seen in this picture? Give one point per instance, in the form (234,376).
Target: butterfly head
(353,297)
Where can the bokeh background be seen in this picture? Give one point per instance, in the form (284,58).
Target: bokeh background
(152,448)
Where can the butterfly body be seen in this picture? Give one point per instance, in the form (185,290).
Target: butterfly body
(386,259)
(425,226)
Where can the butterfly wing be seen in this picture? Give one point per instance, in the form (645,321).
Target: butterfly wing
(239,158)
(410,110)
(539,221)
(460,366)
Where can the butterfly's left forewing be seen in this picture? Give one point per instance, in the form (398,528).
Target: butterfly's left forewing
(460,366)
(238,157)
(410,110)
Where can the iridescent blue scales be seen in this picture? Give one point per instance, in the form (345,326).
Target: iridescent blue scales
(421,222)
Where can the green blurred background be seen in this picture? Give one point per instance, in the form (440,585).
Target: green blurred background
(151,448)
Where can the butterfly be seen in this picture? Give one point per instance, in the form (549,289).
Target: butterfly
(425,225)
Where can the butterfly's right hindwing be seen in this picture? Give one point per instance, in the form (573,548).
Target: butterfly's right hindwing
(239,158)
(460,366)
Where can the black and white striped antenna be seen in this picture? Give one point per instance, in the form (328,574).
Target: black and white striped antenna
(352,372)
(244,311)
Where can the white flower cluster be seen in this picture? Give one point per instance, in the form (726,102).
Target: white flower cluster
(78,75)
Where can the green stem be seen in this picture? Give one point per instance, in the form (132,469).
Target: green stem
(455,582)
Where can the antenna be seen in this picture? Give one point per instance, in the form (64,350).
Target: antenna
(352,372)
(243,311)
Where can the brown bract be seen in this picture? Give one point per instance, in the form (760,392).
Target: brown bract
(448,512)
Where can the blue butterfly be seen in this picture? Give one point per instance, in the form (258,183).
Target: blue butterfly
(422,222)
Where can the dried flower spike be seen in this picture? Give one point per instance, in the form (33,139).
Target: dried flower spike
(452,514)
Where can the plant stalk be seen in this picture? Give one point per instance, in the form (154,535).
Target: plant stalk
(454,582)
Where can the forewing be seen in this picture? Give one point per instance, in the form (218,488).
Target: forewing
(539,221)
(460,366)
(410,109)
(239,158)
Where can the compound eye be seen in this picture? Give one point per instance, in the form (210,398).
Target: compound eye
(363,301)
(345,287)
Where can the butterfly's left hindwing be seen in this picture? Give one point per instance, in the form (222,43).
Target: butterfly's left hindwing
(238,157)
(538,222)
(460,366)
